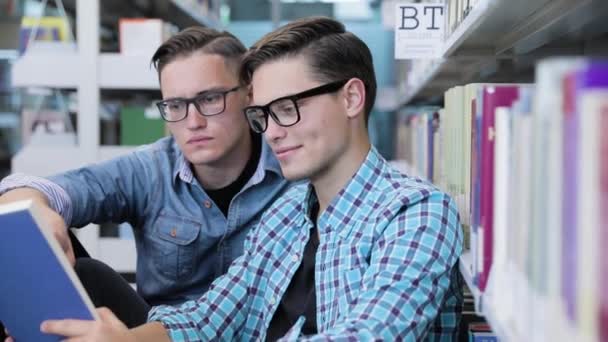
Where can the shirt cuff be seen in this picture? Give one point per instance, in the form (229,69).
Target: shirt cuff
(58,198)
(168,316)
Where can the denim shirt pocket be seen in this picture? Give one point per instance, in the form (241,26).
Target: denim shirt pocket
(174,245)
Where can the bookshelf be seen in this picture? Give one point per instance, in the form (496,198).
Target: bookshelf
(87,70)
(498,30)
(502,41)
(464,265)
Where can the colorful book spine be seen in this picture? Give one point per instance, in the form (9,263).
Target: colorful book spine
(475,180)
(603,124)
(592,91)
(548,192)
(493,97)
(569,199)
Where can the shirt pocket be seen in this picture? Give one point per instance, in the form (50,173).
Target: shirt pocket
(351,287)
(174,247)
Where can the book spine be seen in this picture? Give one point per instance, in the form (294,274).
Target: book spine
(569,204)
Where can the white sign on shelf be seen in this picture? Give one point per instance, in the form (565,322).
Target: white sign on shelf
(419,30)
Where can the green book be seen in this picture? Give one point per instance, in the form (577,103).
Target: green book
(137,128)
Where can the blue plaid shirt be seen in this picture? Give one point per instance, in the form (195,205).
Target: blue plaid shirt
(385,266)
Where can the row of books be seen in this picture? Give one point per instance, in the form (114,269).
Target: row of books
(457,11)
(528,167)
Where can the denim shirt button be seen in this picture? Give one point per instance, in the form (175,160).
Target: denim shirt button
(173,232)
(207,204)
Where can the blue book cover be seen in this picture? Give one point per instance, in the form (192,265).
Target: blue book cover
(38,283)
(481,332)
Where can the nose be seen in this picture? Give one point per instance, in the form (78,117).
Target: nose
(274,132)
(194,119)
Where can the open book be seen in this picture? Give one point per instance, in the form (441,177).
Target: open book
(37,281)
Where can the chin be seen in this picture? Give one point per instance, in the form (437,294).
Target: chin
(294,174)
(202,157)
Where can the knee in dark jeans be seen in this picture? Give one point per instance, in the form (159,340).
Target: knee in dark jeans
(107,288)
(90,269)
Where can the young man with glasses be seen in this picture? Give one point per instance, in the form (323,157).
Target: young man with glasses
(359,252)
(191,197)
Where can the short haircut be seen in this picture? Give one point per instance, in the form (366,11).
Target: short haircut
(199,39)
(332,53)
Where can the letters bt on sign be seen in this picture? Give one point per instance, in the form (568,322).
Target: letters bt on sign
(419,30)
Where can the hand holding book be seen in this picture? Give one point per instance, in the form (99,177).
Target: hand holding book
(40,284)
(52,219)
(107,328)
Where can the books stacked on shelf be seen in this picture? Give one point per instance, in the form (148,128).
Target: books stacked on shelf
(142,36)
(528,167)
(457,10)
(419,143)
(54,31)
(481,332)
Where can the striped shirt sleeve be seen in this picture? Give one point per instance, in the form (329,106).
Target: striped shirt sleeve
(58,198)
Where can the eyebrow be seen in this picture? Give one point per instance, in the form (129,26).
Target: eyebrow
(277,99)
(202,92)
(213,90)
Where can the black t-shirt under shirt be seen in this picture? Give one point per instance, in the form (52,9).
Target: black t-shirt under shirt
(222,197)
(300,297)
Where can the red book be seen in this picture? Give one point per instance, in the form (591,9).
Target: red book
(604,223)
(492,97)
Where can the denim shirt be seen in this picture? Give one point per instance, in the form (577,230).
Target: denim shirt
(182,238)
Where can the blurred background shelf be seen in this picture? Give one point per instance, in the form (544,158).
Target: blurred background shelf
(181,13)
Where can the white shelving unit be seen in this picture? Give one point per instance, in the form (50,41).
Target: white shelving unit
(115,71)
(87,70)
(497,30)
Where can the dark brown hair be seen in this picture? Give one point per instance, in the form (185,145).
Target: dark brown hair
(199,39)
(332,52)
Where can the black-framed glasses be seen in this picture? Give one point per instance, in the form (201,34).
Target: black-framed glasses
(208,103)
(285,111)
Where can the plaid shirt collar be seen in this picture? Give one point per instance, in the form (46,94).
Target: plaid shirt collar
(348,198)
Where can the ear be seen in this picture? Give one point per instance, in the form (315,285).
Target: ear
(354,97)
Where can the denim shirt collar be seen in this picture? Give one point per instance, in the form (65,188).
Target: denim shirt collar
(268,162)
